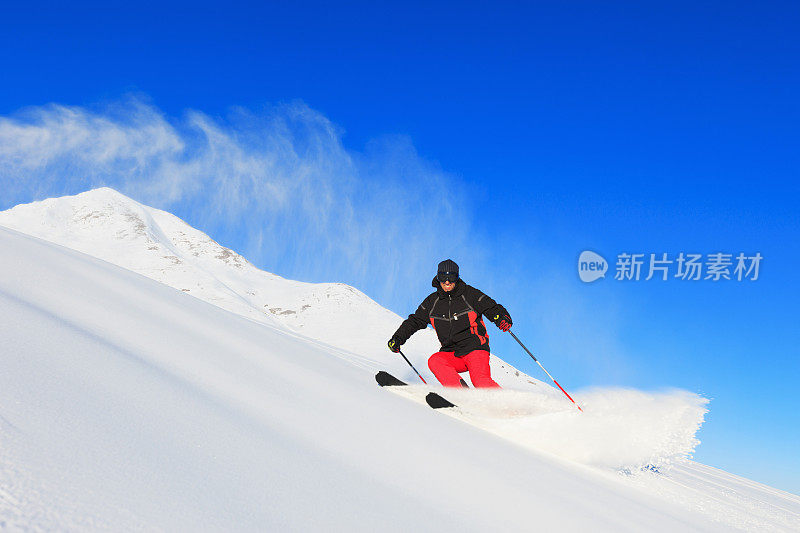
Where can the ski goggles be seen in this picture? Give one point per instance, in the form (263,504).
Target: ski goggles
(451,277)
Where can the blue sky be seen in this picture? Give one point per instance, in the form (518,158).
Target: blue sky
(384,138)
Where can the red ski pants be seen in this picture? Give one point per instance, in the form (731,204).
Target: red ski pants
(446,366)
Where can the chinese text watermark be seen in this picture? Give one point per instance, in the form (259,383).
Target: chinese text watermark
(717,266)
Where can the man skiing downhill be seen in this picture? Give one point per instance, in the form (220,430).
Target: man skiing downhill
(454,310)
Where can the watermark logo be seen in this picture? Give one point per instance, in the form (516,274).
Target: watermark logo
(591,266)
(630,266)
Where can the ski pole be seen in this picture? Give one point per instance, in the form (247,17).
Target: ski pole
(414,369)
(545,371)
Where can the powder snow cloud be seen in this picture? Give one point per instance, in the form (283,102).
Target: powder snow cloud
(276,183)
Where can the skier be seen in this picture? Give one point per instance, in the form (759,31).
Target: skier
(454,310)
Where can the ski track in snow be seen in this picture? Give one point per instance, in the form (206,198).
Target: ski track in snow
(192,357)
(734,501)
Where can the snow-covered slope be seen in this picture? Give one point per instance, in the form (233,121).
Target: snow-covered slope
(108,225)
(127,404)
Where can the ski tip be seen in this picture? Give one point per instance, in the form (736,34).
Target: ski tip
(437,402)
(385,379)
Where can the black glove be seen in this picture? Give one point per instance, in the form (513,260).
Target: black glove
(394,344)
(502,319)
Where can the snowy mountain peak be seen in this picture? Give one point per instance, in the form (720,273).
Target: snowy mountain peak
(107,224)
(103,215)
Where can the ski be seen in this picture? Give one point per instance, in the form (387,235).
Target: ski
(437,402)
(433,399)
(385,379)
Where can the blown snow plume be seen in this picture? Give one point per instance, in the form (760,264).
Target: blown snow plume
(619,429)
(626,429)
(277,181)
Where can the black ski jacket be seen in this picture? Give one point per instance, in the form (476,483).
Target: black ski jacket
(456,317)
